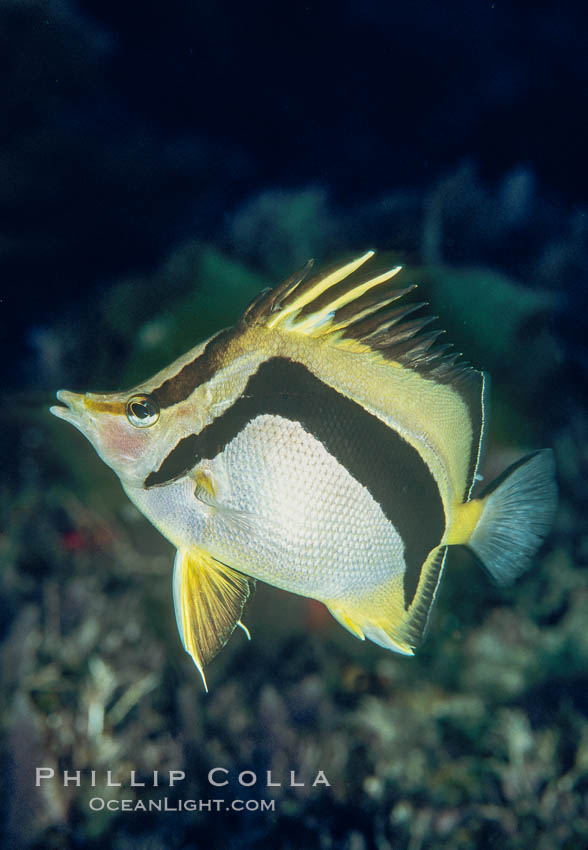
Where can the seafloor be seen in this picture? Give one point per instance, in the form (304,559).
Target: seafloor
(481,740)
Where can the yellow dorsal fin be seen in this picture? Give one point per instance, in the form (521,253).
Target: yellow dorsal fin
(308,306)
(303,295)
(209,598)
(350,312)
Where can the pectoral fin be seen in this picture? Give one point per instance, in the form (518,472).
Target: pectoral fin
(206,492)
(209,598)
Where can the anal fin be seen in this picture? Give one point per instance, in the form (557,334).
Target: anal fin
(414,626)
(209,599)
(382,615)
(346,621)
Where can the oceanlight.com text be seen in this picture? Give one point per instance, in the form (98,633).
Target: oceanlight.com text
(165,804)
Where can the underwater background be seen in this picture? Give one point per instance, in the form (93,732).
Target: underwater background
(159,166)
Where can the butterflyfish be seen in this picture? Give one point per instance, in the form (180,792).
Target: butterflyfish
(328,445)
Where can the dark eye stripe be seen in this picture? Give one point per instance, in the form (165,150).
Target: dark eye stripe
(374,454)
(180,386)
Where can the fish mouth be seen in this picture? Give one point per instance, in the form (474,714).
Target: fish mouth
(71,407)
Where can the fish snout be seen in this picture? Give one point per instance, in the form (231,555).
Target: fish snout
(72,406)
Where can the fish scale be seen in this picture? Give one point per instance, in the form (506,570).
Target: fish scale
(298,492)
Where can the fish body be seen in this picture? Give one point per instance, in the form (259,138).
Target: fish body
(327,445)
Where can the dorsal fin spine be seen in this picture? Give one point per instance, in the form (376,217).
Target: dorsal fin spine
(321,285)
(366,323)
(315,320)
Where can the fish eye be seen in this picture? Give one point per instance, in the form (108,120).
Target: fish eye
(142,411)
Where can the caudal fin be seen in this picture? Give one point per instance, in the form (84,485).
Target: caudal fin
(518,512)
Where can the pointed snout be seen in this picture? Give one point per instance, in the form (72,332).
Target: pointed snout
(71,408)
